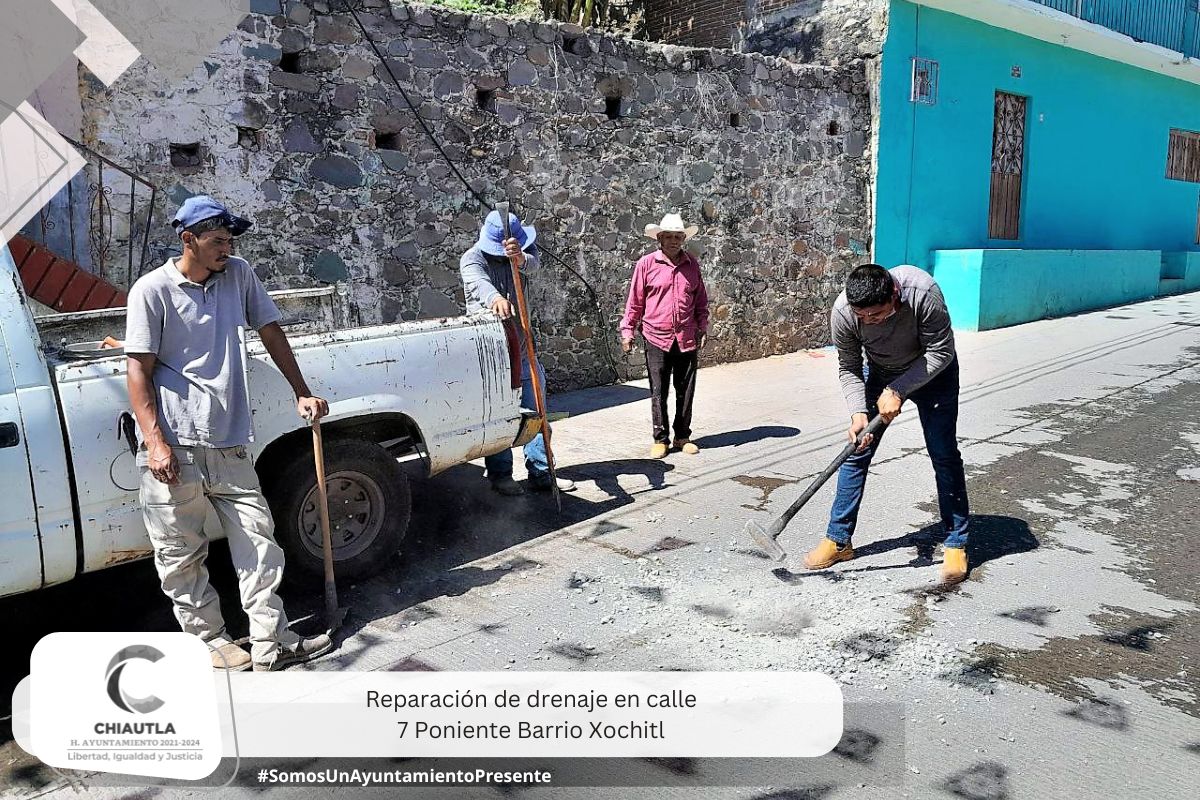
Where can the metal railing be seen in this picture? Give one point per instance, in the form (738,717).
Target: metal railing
(1172,24)
(100,220)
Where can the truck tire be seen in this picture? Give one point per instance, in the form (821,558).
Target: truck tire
(369,508)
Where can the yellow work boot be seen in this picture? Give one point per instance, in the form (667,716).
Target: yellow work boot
(686,446)
(659,450)
(954,565)
(827,553)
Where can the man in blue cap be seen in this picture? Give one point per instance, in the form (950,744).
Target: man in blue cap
(187,387)
(487,282)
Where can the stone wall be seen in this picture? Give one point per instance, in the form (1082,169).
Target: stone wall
(295,123)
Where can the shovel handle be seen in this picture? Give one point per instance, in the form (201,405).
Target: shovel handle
(331,603)
(531,354)
(873,427)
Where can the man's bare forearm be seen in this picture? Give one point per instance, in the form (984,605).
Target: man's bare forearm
(140,383)
(280,350)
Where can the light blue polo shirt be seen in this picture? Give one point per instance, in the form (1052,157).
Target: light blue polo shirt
(193,330)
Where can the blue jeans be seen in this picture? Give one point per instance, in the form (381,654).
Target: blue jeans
(937,405)
(500,465)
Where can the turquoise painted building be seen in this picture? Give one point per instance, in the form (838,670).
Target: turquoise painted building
(1037,157)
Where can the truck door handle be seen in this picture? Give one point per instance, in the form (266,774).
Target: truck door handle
(9,434)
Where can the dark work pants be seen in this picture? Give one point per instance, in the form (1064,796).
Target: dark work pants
(666,368)
(937,405)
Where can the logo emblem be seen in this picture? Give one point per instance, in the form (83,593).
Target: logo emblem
(138,705)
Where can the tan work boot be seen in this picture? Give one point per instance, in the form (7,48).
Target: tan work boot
(305,650)
(954,565)
(687,446)
(827,553)
(234,659)
(659,450)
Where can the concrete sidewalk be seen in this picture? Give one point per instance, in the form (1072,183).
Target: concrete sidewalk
(1065,666)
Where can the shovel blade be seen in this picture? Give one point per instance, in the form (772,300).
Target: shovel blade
(334,619)
(765,541)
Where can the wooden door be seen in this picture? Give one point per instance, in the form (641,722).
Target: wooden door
(1008,163)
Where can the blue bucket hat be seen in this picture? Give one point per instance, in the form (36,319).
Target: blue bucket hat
(491,235)
(201,207)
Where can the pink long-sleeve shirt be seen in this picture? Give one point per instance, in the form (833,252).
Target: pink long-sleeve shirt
(668,301)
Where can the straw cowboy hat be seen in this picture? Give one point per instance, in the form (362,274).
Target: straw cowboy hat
(671,223)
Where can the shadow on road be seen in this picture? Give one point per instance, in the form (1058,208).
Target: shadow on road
(595,399)
(992,536)
(457,519)
(747,436)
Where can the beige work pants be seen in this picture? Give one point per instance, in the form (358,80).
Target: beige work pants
(223,479)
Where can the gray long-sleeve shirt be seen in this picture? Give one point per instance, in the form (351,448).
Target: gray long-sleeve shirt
(486,279)
(908,350)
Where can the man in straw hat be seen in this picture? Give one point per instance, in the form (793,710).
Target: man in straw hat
(488,285)
(667,300)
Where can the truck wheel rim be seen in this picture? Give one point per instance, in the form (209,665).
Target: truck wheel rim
(356,509)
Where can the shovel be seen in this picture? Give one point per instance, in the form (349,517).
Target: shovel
(767,538)
(334,616)
(535,378)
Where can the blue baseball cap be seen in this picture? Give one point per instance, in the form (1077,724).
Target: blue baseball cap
(201,207)
(491,235)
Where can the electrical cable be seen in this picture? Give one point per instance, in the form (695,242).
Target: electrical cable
(595,298)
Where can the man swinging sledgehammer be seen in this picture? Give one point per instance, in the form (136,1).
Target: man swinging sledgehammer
(899,319)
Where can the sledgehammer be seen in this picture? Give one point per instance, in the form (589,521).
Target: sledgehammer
(767,539)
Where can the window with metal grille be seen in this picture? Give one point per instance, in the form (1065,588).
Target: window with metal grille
(1183,156)
(924,81)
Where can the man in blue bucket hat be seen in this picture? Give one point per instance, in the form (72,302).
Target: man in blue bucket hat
(488,286)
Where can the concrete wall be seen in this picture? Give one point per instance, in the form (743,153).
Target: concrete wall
(295,123)
(1180,273)
(818,31)
(1096,145)
(988,289)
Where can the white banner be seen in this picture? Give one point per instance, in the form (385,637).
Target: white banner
(151,704)
(564,714)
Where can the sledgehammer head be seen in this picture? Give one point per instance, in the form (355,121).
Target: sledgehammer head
(764,540)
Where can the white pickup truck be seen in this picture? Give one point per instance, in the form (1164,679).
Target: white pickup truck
(436,393)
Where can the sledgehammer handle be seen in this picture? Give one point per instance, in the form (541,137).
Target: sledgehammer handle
(873,427)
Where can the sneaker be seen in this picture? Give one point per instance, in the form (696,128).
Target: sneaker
(659,450)
(954,565)
(305,650)
(686,446)
(229,656)
(541,483)
(507,486)
(828,553)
